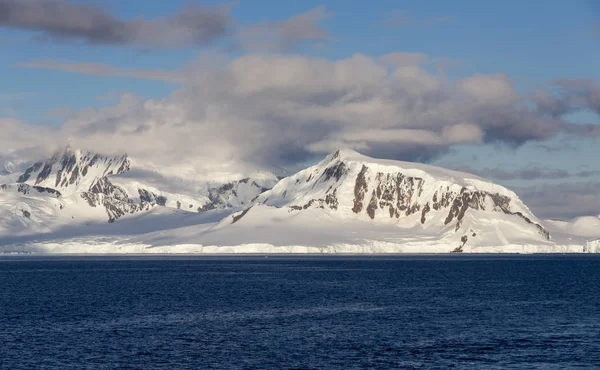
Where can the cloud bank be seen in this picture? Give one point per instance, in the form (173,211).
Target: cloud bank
(192,26)
(68,20)
(563,201)
(283,110)
(528,174)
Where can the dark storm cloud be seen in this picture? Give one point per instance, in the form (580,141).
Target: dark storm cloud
(68,20)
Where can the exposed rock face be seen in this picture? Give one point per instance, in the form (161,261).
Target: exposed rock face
(72,171)
(27,189)
(393,192)
(348,182)
(232,194)
(237,217)
(83,174)
(115,208)
(105,186)
(360,188)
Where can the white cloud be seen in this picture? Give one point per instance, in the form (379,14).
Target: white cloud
(271,109)
(497,88)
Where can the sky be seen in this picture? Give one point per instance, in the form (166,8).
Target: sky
(508,90)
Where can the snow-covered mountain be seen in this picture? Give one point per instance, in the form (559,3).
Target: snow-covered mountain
(70,171)
(78,187)
(410,203)
(347,203)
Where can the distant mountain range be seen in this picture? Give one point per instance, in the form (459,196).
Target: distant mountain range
(82,202)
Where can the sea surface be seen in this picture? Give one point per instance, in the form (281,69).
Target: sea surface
(285,312)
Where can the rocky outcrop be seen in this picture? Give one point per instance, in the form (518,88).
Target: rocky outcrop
(115,208)
(232,194)
(28,189)
(238,216)
(402,196)
(73,170)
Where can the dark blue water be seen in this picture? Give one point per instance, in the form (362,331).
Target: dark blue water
(323,313)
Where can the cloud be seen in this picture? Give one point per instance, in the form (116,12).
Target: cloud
(282,110)
(567,95)
(263,107)
(186,74)
(101,69)
(401,18)
(562,201)
(527,174)
(564,144)
(72,21)
(399,59)
(194,25)
(20,137)
(285,35)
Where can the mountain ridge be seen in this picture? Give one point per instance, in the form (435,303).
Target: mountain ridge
(89,181)
(346,202)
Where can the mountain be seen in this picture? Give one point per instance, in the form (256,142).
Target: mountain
(77,187)
(347,203)
(397,206)
(70,171)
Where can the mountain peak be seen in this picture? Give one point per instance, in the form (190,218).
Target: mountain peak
(346,154)
(349,185)
(74,169)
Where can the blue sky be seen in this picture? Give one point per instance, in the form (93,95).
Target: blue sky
(533,42)
(529,43)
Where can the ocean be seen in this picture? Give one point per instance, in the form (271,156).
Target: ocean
(300,312)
